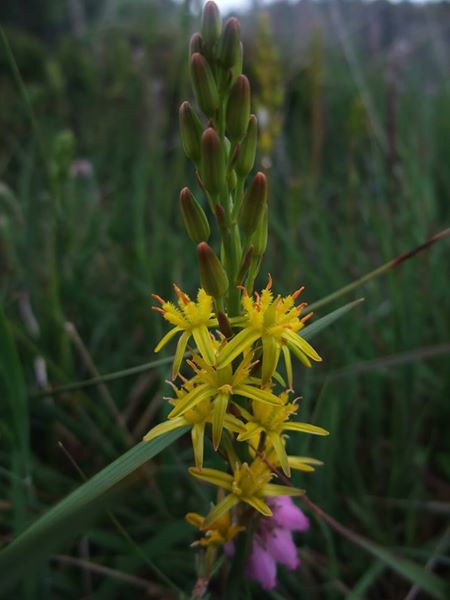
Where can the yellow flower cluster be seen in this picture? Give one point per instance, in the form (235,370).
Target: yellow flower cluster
(230,385)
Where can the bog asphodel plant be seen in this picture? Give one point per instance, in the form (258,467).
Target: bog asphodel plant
(232,372)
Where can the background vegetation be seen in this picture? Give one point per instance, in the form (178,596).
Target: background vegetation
(354,99)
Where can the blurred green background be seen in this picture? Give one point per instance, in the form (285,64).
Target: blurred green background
(353,100)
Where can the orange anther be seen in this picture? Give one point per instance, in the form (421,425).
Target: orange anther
(269,282)
(158,298)
(306,317)
(181,295)
(297,293)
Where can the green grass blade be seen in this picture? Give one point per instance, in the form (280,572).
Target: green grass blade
(311,330)
(66,520)
(12,383)
(395,262)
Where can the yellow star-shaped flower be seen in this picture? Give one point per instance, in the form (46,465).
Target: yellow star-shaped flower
(248,483)
(276,321)
(190,319)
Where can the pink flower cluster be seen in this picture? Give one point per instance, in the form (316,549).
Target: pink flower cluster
(273,543)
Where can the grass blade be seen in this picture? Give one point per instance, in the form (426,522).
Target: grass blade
(311,330)
(395,262)
(67,519)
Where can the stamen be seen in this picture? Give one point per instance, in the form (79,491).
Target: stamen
(181,295)
(158,298)
(269,283)
(157,309)
(307,317)
(297,293)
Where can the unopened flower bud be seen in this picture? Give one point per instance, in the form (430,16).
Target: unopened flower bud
(213,162)
(204,84)
(196,44)
(211,23)
(259,238)
(194,217)
(230,51)
(247,151)
(212,274)
(253,204)
(238,109)
(191,132)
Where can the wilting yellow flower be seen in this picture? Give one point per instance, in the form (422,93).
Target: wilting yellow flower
(276,321)
(190,319)
(219,532)
(248,483)
(219,386)
(273,421)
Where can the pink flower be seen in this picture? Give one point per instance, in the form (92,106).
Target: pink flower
(273,542)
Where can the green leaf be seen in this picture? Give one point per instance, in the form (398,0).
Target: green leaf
(428,582)
(12,385)
(68,518)
(311,330)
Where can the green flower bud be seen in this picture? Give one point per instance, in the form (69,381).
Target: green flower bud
(191,132)
(213,162)
(253,204)
(212,274)
(204,85)
(194,217)
(211,23)
(259,238)
(232,180)
(238,109)
(230,50)
(247,152)
(196,44)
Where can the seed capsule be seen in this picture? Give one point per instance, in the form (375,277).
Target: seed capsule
(212,274)
(194,217)
(253,204)
(204,85)
(211,23)
(213,162)
(238,109)
(191,132)
(247,152)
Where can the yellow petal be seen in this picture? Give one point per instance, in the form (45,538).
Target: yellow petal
(300,343)
(251,429)
(280,451)
(273,489)
(218,511)
(301,356)
(219,478)
(198,436)
(233,424)
(299,465)
(243,340)
(255,393)
(165,427)
(288,365)
(204,344)
(271,353)
(169,335)
(179,353)
(191,399)
(305,428)
(219,410)
(258,505)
